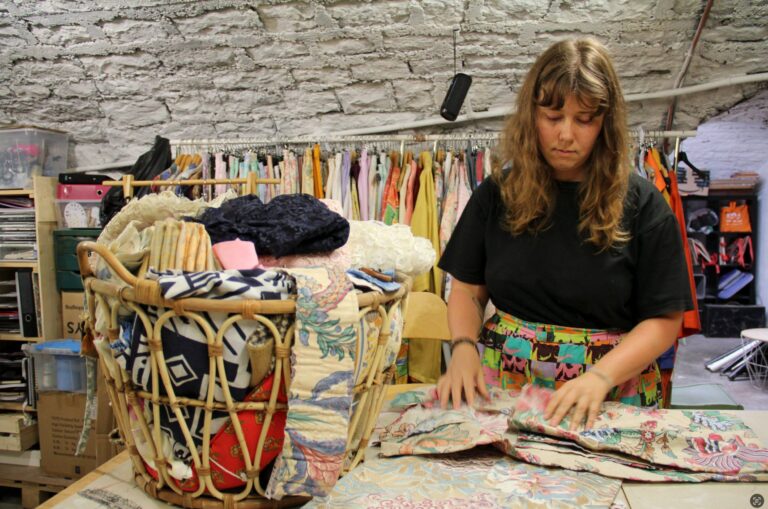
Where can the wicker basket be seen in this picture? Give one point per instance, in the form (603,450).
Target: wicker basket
(132,293)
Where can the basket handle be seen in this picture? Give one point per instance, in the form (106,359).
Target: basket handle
(87,247)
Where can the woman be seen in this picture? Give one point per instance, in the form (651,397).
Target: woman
(582,258)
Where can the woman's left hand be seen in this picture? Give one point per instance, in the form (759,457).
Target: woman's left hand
(582,395)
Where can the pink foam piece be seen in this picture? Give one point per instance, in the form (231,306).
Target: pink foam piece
(236,254)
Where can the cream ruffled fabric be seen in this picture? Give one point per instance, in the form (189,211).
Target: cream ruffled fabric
(384,247)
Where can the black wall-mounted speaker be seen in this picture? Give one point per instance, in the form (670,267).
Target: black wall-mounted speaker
(455,96)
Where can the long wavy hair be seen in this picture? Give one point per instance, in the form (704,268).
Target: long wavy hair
(583,69)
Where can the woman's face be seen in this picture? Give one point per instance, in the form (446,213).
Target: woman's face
(567,136)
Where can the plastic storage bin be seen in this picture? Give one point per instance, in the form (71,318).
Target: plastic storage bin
(77,205)
(25,152)
(58,365)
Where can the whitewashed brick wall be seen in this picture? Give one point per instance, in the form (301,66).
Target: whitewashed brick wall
(116,72)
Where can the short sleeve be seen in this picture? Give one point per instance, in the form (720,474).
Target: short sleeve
(661,278)
(464,257)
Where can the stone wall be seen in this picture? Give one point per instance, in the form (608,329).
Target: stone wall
(114,73)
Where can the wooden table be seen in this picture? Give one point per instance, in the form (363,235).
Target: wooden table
(117,474)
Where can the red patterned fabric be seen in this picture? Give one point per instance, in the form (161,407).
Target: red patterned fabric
(226,458)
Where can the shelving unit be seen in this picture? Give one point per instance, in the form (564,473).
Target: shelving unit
(727,317)
(49,307)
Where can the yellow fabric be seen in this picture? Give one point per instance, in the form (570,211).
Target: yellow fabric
(424,354)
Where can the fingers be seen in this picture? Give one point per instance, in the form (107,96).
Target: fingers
(594,409)
(579,412)
(562,408)
(456,393)
(442,391)
(481,387)
(469,390)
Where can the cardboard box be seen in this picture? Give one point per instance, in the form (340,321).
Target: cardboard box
(60,419)
(71,309)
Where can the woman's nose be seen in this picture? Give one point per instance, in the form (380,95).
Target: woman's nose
(566,130)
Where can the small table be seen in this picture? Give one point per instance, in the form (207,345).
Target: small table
(756,359)
(117,476)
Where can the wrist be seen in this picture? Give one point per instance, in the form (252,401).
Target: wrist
(464,340)
(602,375)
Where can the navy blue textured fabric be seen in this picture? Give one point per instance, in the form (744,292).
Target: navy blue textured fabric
(288,224)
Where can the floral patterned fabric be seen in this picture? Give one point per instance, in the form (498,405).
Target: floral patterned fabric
(482,478)
(320,397)
(640,443)
(627,442)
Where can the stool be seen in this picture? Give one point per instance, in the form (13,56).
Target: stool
(756,359)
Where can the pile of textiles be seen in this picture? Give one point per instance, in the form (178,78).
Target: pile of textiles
(626,442)
(502,453)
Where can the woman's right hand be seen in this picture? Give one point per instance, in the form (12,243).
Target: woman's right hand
(464,374)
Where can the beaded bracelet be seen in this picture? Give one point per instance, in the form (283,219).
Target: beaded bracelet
(458,341)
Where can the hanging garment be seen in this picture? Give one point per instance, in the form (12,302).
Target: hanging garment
(425,354)
(317,174)
(320,398)
(384,169)
(390,213)
(362,185)
(518,353)
(374,177)
(346,195)
(403,192)
(219,172)
(307,173)
(412,190)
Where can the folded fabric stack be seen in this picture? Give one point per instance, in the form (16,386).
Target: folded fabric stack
(626,442)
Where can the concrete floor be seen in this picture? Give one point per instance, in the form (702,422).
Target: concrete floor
(697,350)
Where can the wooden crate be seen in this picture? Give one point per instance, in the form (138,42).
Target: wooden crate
(17,433)
(36,486)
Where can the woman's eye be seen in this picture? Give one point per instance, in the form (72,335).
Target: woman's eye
(553,118)
(586,120)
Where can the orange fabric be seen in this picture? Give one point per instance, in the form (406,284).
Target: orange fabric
(317,175)
(691,319)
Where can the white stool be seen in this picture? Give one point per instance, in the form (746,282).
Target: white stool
(756,359)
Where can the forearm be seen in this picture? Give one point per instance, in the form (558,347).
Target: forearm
(466,305)
(641,346)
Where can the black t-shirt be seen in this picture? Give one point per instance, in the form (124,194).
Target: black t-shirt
(557,278)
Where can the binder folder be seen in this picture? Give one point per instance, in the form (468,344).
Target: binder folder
(27,306)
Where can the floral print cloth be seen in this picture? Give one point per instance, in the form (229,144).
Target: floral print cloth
(482,479)
(320,396)
(641,444)
(627,442)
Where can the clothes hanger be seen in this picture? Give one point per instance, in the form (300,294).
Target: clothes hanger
(682,157)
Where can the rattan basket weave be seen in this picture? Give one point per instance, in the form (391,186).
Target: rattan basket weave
(134,292)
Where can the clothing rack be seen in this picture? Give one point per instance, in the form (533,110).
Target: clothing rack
(128,183)
(204,143)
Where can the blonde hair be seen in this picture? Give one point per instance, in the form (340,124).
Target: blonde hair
(581,68)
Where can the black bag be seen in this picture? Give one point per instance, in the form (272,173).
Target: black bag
(147,166)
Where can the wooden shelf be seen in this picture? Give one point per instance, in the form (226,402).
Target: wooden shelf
(17,337)
(13,405)
(17,192)
(18,265)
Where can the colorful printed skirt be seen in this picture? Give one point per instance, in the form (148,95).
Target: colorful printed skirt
(519,352)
